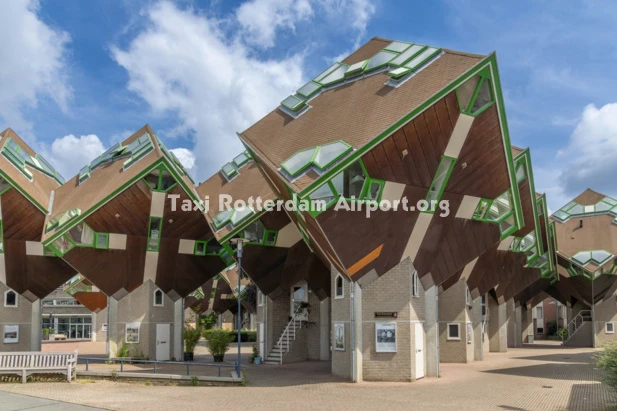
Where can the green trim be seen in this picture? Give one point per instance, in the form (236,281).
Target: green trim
(441,188)
(270,237)
(298,103)
(196,248)
(98,246)
(399,42)
(312,161)
(356,68)
(22,192)
(162,168)
(422,62)
(399,72)
(314,85)
(377,67)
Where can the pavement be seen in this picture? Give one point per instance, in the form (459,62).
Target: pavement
(530,378)
(15,402)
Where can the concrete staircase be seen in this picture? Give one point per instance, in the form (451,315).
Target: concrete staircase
(275,357)
(580,330)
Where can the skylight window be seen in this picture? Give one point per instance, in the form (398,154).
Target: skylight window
(380,59)
(233,216)
(293,103)
(229,171)
(399,72)
(407,55)
(309,89)
(327,72)
(241,159)
(323,194)
(596,256)
(62,218)
(329,153)
(356,68)
(397,46)
(441,178)
(422,58)
(350,182)
(241,214)
(4,185)
(298,162)
(138,149)
(335,76)
(17,156)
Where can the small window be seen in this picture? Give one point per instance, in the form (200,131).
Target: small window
(102,241)
(467,296)
(415,292)
(10,298)
(538,312)
(270,237)
(158,298)
(339,291)
(540,330)
(454,331)
(483,307)
(155,233)
(484,96)
(609,328)
(200,247)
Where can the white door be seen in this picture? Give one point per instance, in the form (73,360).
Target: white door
(419,350)
(299,295)
(262,347)
(162,342)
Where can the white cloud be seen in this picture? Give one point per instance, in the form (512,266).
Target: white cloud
(69,154)
(588,160)
(186,157)
(261,18)
(181,62)
(33,62)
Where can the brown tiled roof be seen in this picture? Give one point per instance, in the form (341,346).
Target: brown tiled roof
(368,50)
(42,185)
(355,112)
(249,183)
(516,151)
(589,197)
(103,181)
(598,233)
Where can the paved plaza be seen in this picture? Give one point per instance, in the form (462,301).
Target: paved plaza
(531,378)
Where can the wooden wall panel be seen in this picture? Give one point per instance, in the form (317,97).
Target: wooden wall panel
(21,220)
(93,301)
(132,206)
(188,225)
(528,203)
(425,138)
(112,270)
(389,229)
(36,274)
(275,219)
(183,273)
(481,169)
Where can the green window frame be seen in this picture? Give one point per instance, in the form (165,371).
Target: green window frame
(101,241)
(200,247)
(311,157)
(155,228)
(293,103)
(232,216)
(356,68)
(63,218)
(84,173)
(18,157)
(229,171)
(440,181)
(408,54)
(241,159)
(4,185)
(270,237)
(309,89)
(381,59)
(138,149)
(161,170)
(421,58)
(203,248)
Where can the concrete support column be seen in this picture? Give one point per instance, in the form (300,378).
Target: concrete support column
(112,326)
(478,342)
(178,327)
(324,329)
(497,327)
(93,328)
(35,324)
(526,324)
(357,331)
(431,329)
(518,320)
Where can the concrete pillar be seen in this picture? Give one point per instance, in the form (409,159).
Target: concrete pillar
(93,327)
(357,331)
(178,327)
(526,324)
(35,324)
(112,326)
(518,320)
(324,329)
(431,329)
(478,342)
(497,326)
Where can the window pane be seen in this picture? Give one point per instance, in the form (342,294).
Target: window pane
(254,232)
(323,194)
(407,54)
(453,330)
(11,298)
(374,190)
(484,96)
(166,181)
(380,59)
(349,182)
(328,153)
(440,178)
(296,163)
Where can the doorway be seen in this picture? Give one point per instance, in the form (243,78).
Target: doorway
(419,350)
(162,342)
(299,295)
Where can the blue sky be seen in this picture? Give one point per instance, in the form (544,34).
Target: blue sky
(78,76)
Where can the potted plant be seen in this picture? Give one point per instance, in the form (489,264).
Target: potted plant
(254,354)
(218,343)
(45,334)
(191,337)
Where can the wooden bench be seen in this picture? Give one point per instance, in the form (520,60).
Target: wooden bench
(26,363)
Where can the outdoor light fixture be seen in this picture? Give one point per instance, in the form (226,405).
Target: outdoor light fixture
(239,242)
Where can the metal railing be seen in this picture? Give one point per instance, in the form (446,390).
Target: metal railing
(576,323)
(291,325)
(124,361)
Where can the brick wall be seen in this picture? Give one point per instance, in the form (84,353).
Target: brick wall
(453,309)
(606,311)
(21,316)
(340,313)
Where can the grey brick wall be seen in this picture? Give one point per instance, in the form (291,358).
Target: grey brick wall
(606,311)
(340,313)
(453,309)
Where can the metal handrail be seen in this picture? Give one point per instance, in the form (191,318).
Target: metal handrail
(573,326)
(132,361)
(286,332)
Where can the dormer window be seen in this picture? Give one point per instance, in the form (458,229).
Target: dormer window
(339,290)
(10,299)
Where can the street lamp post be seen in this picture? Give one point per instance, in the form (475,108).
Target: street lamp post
(239,243)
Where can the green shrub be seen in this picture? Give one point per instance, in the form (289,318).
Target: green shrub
(246,336)
(218,342)
(45,331)
(607,360)
(191,337)
(208,321)
(551,328)
(123,351)
(563,333)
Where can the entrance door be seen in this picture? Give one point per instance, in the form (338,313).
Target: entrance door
(262,348)
(299,295)
(162,342)
(419,350)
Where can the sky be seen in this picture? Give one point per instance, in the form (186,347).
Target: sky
(77,77)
